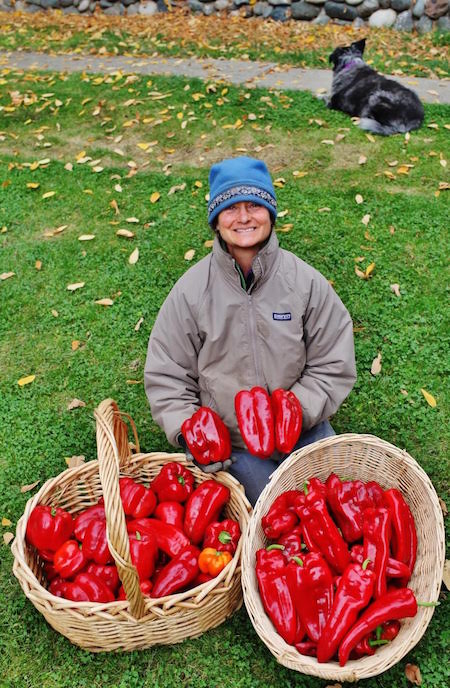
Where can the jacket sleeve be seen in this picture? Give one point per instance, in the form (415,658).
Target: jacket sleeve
(170,373)
(330,370)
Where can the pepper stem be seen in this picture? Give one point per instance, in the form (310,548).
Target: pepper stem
(365,564)
(224,537)
(274,546)
(298,561)
(181,480)
(428,604)
(305,487)
(375,643)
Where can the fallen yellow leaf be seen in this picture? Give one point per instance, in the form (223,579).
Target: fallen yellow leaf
(431,401)
(105,302)
(132,220)
(48,194)
(86,237)
(376,365)
(75,344)
(359,199)
(75,403)
(134,256)
(189,254)
(26,380)
(137,327)
(75,285)
(155,197)
(7,537)
(6,275)
(125,233)
(75,461)
(28,488)
(6,522)
(33,185)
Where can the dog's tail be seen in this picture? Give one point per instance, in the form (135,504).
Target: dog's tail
(376,127)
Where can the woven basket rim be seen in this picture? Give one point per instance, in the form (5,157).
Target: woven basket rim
(286,654)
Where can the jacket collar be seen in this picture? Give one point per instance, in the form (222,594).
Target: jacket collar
(263,263)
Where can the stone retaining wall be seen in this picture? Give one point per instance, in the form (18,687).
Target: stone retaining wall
(403,15)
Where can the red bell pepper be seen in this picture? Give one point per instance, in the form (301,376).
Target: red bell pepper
(95,543)
(108,574)
(92,513)
(87,588)
(137,500)
(396,604)
(347,501)
(353,594)
(282,517)
(223,535)
(57,586)
(404,536)
(382,636)
(275,594)
(143,552)
(69,559)
(169,539)
(203,507)
(170,512)
(145,585)
(202,578)
(288,417)
(320,530)
(292,543)
(46,555)
(394,568)
(174,483)
(255,420)
(311,586)
(48,527)
(178,573)
(207,436)
(377,534)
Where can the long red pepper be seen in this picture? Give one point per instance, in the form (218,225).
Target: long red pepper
(178,573)
(281,517)
(352,595)
(275,593)
(170,512)
(394,568)
(169,539)
(404,536)
(376,539)
(138,501)
(311,586)
(292,543)
(320,530)
(347,501)
(397,604)
(255,420)
(287,413)
(82,520)
(95,543)
(207,436)
(203,507)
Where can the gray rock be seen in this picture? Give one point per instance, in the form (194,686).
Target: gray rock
(337,10)
(239,3)
(276,3)
(127,2)
(436,8)
(385,4)
(64,3)
(133,10)
(83,6)
(50,4)
(70,10)
(382,18)
(117,10)
(208,10)
(148,8)
(404,21)
(424,25)
(262,9)
(353,2)
(92,6)
(418,9)
(400,5)
(443,23)
(162,7)
(223,5)
(35,2)
(323,19)
(303,10)
(367,8)
(195,6)
(280,14)
(317,2)
(358,23)
(21,6)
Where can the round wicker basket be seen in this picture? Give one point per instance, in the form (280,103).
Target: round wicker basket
(368,458)
(141,621)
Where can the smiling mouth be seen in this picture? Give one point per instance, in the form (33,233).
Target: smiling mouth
(245,230)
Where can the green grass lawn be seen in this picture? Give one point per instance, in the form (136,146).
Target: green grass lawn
(105,148)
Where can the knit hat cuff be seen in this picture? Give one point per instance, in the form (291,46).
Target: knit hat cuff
(239,193)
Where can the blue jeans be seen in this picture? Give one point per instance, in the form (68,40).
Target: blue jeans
(254,473)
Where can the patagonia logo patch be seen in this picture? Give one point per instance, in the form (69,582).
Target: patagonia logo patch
(281,316)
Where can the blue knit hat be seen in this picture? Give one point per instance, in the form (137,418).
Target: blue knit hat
(240,179)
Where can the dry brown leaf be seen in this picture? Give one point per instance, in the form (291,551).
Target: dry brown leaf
(75,286)
(334,685)
(7,537)
(105,302)
(38,264)
(413,674)
(75,403)
(362,160)
(26,380)
(376,365)
(137,327)
(155,197)
(396,289)
(28,488)
(125,233)
(75,461)
(189,254)
(33,185)
(208,243)
(443,506)
(366,219)
(134,257)
(369,269)
(114,206)
(49,194)
(177,187)
(359,199)
(55,313)
(446,574)
(6,275)
(325,209)
(6,522)
(299,174)
(132,220)
(86,237)
(75,344)
(68,166)
(431,401)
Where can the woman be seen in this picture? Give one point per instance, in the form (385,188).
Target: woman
(249,314)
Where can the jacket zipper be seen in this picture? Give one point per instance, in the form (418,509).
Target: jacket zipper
(253,334)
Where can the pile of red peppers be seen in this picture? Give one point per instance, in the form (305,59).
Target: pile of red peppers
(333,578)
(174,528)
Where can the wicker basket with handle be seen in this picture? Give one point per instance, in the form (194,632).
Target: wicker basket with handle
(142,621)
(367,458)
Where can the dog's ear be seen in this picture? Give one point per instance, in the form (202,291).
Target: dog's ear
(335,56)
(360,45)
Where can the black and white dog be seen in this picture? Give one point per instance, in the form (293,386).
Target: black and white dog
(383,105)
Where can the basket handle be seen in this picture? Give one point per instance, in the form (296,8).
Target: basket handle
(111,449)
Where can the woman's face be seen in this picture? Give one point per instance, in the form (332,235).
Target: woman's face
(244,225)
